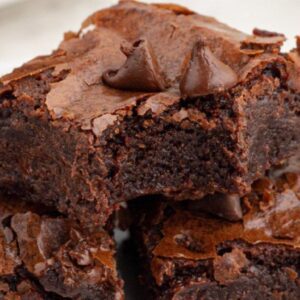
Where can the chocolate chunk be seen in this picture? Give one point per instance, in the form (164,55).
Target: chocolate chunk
(266,33)
(105,146)
(140,72)
(206,74)
(225,206)
(298,43)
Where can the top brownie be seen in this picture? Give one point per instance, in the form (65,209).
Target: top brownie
(147,99)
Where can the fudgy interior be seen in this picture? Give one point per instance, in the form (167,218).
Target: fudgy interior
(188,160)
(47,161)
(232,139)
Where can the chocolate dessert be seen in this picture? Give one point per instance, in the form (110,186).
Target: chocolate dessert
(48,257)
(189,254)
(147,99)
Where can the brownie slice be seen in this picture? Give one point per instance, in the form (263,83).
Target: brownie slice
(147,99)
(48,257)
(187,254)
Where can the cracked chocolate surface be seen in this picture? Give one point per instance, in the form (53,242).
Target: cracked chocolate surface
(47,257)
(193,254)
(82,144)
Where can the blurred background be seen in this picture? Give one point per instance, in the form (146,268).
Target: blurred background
(33,27)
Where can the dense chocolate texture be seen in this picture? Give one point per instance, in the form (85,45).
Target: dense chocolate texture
(115,113)
(45,257)
(191,255)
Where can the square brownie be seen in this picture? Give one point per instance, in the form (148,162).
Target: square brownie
(147,99)
(189,254)
(47,257)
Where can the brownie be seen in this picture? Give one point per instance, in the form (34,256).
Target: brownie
(147,99)
(48,257)
(189,254)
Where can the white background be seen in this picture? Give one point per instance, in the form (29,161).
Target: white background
(33,27)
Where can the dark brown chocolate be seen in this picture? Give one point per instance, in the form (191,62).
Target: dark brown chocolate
(206,74)
(266,33)
(43,257)
(72,141)
(140,72)
(196,256)
(226,206)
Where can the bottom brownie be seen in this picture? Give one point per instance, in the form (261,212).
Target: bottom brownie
(43,256)
(188,254)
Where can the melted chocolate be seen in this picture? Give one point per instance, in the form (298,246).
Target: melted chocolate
(206,74)
(99,166)
(140,72)
(225,206)
(172,31)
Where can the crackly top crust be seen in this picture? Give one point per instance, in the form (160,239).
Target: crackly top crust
(104,44)
(65,259)
(271,215)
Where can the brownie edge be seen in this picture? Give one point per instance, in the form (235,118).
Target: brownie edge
(116,114)
(188,254)
(48,257)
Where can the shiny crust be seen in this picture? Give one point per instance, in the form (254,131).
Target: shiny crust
(53,257)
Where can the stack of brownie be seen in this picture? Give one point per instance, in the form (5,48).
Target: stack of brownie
(193,121)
